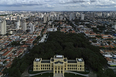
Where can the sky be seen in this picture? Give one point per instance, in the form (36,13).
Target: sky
(58,5)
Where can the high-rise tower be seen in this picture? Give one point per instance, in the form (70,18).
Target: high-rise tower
(3,26)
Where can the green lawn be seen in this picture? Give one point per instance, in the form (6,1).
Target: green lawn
(51,75)
(34,72)
(44,75)
(81,72)
(72,75)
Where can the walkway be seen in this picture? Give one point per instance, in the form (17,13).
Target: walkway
(86,75)
(92,74)
(58,75)
(39,73)
(26,74)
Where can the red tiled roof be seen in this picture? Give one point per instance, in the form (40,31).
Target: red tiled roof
(6,53)
(108,59)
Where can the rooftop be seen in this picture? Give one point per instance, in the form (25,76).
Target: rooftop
(72,61)
(45,61)
(59,56)
(37,59)
(59,62)
(80,60)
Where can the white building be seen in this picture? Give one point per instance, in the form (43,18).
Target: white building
(77,15)
(18,18)
(45,19)
(32,27)
(48,18)
(70,17)
(57,17)
(61,17)
(114,26)
(43,38)
(82,16)
(18,24)
(52,18)
(2,27)
(24,26)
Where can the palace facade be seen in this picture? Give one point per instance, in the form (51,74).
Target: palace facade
(58,64)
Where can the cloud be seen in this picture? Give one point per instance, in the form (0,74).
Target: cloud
(59,4)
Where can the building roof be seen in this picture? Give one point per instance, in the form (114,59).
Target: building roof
(52,59)
(59,62)
(80,60)
(45,61)
(59,56)
(37,59)
(72,61)
(6,53)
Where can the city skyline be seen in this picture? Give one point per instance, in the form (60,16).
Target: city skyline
(58,5)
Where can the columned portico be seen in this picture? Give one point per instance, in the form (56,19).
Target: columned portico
(58,69)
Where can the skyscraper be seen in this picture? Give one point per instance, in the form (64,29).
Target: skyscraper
(3,26)
(45,19)
(18,24)
(82,16)
(71,16)
(32,27)
(114,26)
(24,26)
(18,18)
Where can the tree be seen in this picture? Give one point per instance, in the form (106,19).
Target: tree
(70,45)
(110,73)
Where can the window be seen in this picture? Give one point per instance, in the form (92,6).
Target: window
(81,68)
(36,68)
(36,65)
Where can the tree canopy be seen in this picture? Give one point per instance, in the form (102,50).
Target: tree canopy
(70,45)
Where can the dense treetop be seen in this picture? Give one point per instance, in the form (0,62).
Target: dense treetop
(70,45)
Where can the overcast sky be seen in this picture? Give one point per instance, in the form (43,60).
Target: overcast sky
(59,5)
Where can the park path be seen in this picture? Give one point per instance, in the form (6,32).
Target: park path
(86,75)
(39,73)
(25,73)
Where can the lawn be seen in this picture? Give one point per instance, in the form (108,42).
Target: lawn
(51,75)
(81,72)
(44,75)
(72,75)
(34,72)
